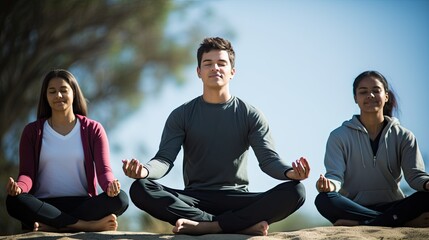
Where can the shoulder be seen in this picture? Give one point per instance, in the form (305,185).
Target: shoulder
(246,106)
(249,113)
(396,129)
(346,129)
(339,134)
(182,112)
(89,125)
(189,104)
(34,127)
(241,102)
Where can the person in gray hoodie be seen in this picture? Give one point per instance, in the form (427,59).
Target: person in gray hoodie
(365,160)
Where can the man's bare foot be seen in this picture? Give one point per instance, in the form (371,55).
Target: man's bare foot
(40,227)
(421,221)
(259,229)
(186,226)
(346,222)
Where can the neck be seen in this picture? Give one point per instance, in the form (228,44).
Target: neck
(63,119)
(372,123)
(62,123)
(216,97)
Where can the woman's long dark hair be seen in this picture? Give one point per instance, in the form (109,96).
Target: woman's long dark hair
(79,102)
(392,104)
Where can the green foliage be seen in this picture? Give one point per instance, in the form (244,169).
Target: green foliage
(118,50)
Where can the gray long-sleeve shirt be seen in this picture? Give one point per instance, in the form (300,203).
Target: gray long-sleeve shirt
(216,139)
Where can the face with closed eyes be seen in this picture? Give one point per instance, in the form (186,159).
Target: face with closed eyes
(371,95)
(216,70)
(60,95)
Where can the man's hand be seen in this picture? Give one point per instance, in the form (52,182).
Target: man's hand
(12,188)
(324,185)
(300,171)
(134,169)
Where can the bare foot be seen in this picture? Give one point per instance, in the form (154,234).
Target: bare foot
(421,221)
(259,229)
(40,227)
(186,226)
(346,222)
(108,223)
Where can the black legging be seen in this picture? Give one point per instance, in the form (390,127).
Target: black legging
(234,210)
(334,206)
(64,211)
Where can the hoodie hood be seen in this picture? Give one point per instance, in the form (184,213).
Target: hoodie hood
(355,124)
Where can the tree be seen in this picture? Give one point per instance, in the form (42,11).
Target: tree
(115,48)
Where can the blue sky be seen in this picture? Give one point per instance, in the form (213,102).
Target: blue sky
(296,62)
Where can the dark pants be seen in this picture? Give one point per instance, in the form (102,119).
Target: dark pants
(234,210)
(64,211)
(334,206)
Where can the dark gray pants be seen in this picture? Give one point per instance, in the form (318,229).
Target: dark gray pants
(234,210)
(334,206)
(63,211)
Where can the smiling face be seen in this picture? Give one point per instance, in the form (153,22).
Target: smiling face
(59,95)
(216,70)
(371,95)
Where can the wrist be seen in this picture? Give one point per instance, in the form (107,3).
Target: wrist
(145,172)
(288,173)
(331,186)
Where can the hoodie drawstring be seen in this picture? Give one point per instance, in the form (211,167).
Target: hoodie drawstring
(360,148)
(387,153)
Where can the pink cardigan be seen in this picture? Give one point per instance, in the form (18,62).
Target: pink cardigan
(95,147)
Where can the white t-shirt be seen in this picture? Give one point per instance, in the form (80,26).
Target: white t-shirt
(61,167)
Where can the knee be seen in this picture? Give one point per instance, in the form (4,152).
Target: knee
(420,198)
(300,192)
(15,205)
(326,201)
(11,205)
(325,197)
(320,199)
(123,202)
(421,194)
(139,189)
(296,190)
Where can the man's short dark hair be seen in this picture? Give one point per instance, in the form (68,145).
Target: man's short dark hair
(216,43)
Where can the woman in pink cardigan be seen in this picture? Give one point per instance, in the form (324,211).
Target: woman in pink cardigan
(62,155)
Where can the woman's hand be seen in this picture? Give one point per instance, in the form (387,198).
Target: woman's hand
(12,188)
(324,185)
(134,169)
(300,171)
(113,188)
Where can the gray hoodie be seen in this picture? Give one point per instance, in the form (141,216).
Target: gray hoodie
(369,178)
